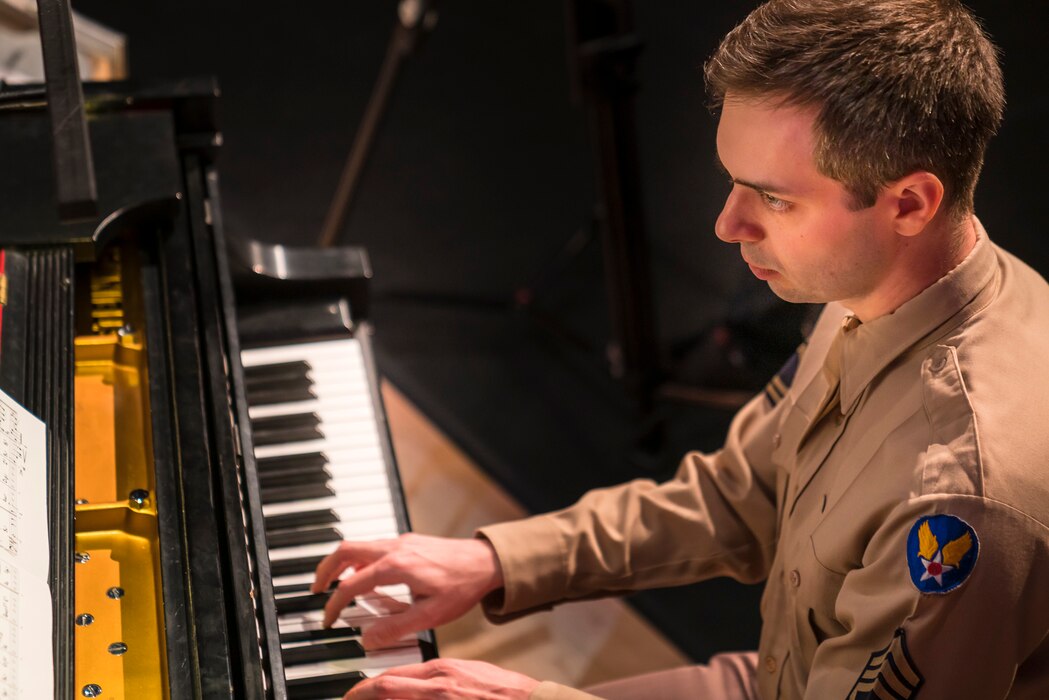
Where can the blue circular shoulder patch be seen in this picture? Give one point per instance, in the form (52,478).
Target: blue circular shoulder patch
(941,553)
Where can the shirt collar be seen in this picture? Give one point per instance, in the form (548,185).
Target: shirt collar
(870,347)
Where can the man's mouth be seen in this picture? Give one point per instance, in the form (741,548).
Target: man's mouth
(762,273)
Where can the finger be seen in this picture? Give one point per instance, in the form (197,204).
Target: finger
(387,687)
(422,671)
(360,581)
(388,630)
(330,567)
(346,555)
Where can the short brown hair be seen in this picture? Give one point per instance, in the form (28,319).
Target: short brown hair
(900,86)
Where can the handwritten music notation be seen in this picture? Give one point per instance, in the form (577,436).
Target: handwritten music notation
(25,598)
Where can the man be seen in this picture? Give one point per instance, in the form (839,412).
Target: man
(890,486)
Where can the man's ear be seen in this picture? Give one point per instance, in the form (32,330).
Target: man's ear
(915,200)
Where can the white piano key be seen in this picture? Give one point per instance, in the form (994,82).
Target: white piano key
(362,614)
(362,481)
(371,665)
(354,463)
(342,500)
(293,580)
(364,512)
(346,439)
(348,348)
(319,549)
(328,402)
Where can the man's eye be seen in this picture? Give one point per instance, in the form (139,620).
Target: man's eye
(775,203)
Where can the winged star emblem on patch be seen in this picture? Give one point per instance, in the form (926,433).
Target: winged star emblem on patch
(941,553)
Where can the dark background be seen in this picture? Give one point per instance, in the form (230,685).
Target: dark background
(482,173)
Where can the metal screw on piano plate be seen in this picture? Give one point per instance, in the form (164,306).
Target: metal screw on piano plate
(118,648)
(126,329)
(84,619)
(138,498)
(116,593)
(81,501)
(91,690)
(82,557)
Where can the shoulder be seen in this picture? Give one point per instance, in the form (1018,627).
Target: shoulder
(985,392)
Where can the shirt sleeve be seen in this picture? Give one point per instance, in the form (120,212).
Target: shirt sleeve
(555,691)
(716,517)
(945,602)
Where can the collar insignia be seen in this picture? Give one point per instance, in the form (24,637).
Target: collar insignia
(941,553)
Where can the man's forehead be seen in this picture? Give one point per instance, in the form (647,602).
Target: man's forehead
(766,141)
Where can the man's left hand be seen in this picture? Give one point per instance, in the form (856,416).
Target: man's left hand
(445,678)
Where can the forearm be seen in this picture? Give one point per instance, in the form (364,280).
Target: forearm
(716,517)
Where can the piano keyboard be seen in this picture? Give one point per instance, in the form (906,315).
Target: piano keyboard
(323,477)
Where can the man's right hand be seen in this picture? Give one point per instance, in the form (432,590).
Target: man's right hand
(447,577)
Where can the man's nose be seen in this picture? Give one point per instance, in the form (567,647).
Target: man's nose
(734,225)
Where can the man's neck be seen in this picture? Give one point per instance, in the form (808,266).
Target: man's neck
(922,261)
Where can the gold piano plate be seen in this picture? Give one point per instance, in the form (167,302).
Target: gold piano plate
(119,634)
(119,646)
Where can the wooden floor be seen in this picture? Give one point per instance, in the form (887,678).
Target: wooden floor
(577,644)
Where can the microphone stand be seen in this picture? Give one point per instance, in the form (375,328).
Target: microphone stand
(415,19)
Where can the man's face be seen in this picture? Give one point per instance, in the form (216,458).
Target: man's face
(794,225)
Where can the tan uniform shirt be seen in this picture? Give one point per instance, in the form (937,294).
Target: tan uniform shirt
(900,518)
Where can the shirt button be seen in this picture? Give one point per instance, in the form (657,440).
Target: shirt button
(770,664)
(795,578)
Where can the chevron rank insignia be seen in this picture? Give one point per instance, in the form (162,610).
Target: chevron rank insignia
(777,388)
(941,553)
(889,673)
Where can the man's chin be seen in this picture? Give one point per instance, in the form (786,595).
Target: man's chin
(791,294)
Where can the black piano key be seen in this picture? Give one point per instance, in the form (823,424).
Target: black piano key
(321,635)
(321,687)
(278,430)
(302,492)
(324,651)
(293,588)
(292,567)
(305,518)
(280,370)
(285,421)
(278,383)
(305,461)
(290,478)
(296,538)
(285,392)
(301,603)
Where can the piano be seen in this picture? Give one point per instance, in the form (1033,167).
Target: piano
(213,409)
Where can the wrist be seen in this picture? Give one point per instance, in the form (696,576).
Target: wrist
(491,566)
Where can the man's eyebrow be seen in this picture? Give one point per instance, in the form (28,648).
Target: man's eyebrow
(763,188)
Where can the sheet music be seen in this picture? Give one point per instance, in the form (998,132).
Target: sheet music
(26,662)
